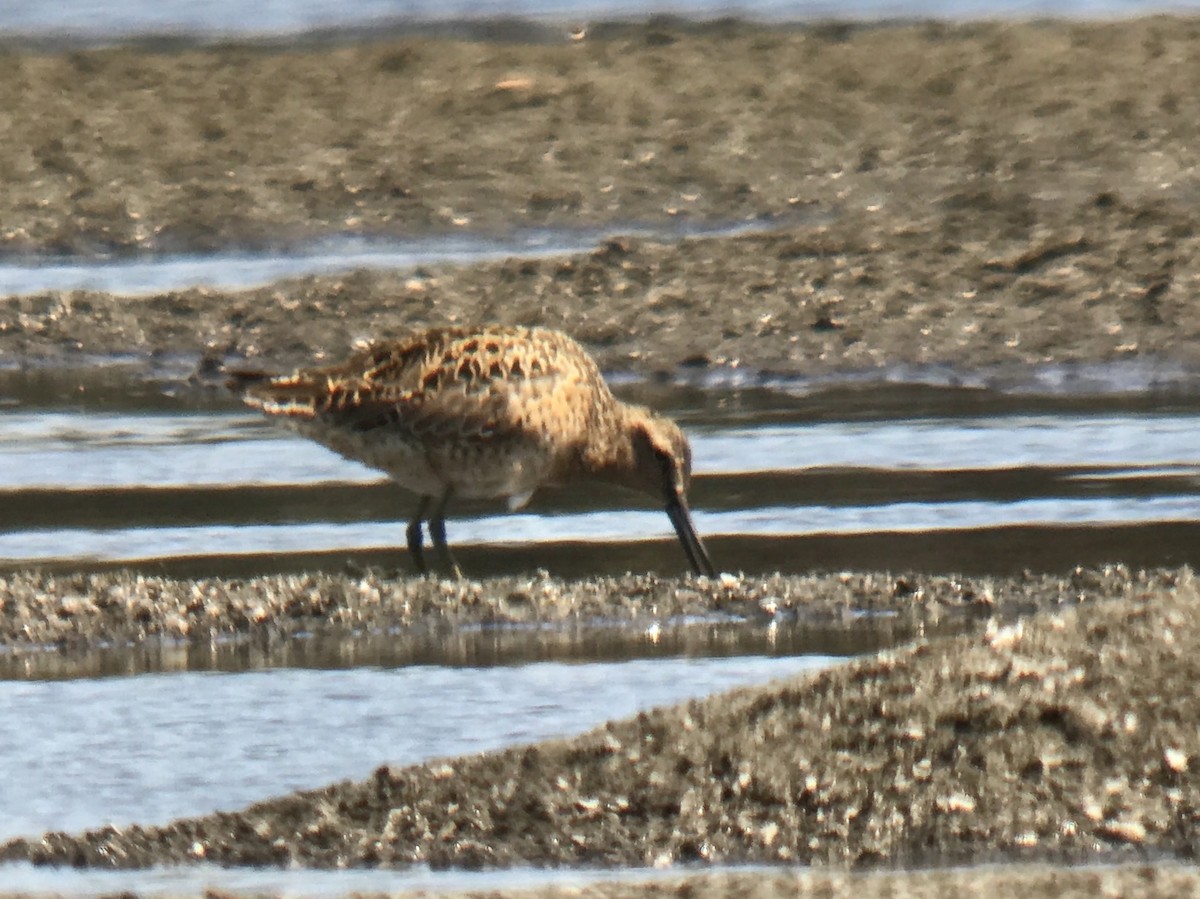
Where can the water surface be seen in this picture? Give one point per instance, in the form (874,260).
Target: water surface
(89,20)
(129,487)
(237,270)
(83,753)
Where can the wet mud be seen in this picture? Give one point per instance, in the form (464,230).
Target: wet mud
(1068,735)
(70,615)
(974,195)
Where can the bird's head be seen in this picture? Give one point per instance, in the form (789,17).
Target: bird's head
(662,467)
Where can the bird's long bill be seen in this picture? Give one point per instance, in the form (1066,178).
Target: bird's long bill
(677,511)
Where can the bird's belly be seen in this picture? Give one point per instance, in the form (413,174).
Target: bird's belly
(487,471)
(387,451)
(472,468)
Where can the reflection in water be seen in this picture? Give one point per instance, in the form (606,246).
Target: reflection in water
(484,647)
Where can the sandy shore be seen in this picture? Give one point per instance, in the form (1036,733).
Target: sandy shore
(984,195)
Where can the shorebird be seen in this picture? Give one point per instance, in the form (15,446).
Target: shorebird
(491,412)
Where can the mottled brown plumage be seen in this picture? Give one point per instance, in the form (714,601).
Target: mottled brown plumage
(487,412)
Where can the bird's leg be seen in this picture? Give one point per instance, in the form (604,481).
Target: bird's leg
(437,533)
(415,537)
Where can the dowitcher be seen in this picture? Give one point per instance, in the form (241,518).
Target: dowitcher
(493,412)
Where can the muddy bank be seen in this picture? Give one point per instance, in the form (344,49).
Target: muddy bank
(71,614)
(1068,735)
(846,296)
(977,195)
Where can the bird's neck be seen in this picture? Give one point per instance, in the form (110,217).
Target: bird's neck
(609,453)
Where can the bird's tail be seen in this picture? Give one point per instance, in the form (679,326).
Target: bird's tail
(296,395)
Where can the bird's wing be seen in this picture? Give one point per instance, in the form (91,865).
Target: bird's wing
(490,384)
(447,384)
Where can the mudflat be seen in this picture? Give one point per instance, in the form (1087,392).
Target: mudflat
(979,195)
(987,195)
(1066,735)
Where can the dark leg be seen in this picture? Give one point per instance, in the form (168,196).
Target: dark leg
(415,538)
(437,533)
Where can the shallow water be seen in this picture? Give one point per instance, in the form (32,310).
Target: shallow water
(55,449)
(300,882)
(225,18)
(151,748)
(233,270)
(91,487)
(487,646)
